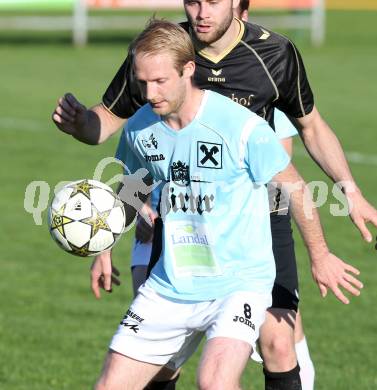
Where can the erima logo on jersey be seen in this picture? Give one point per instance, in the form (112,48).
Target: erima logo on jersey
(216,79)
(216,72)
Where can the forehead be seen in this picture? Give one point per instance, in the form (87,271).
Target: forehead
(187,2)
(154,65)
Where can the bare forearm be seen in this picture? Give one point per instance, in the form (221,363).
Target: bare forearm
(325,148)
(303,211)
(308,222)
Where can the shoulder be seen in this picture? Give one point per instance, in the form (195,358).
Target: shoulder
(222,114)
(262,38)
(143,118)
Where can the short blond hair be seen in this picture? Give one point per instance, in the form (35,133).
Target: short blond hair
(162,36)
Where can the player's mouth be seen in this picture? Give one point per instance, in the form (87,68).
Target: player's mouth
(203,28)
(157,104)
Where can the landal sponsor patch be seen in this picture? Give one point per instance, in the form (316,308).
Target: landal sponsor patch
(190,245)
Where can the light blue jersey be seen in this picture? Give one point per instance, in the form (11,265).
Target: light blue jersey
(283,129)
(283,126)
(217,237)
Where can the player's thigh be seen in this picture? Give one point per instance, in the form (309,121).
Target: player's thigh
(222,363)
(123,373)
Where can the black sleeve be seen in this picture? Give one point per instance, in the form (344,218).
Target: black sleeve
(123,97)
(295,95)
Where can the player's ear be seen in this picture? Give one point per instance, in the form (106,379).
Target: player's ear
(188,69)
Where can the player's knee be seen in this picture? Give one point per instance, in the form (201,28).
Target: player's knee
(279,349)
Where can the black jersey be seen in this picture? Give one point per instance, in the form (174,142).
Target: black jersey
(260,70)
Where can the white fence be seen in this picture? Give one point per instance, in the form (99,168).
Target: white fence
(305,14)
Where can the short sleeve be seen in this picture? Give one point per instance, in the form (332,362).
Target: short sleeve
(123,96)
(283,126)
(126,154)
(265,156)
(295,95)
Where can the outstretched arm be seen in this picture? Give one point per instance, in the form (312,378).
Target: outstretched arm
(91,126)
(326,150)
(327,269)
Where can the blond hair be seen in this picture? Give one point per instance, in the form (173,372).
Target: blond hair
(162,36)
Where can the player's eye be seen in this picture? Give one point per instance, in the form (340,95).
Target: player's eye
(161,81)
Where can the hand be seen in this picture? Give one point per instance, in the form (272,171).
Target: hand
(69,115)
(331,272)
(361,212)
(145,224)
(103,274)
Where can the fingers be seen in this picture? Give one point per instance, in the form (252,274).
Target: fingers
(351,289)
(106,275)
(366,234)
(322,289)
(95,285)
(74,103)
(339,294)
(351,279)
(352,269)
(68,112)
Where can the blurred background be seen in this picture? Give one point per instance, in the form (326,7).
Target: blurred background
(53,333)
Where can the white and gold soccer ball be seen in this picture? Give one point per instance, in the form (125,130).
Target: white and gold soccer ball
(86,217)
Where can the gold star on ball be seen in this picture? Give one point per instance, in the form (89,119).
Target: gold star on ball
(82,252)
(82,187)
(97,221)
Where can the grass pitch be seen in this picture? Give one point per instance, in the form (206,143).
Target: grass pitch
(53,333)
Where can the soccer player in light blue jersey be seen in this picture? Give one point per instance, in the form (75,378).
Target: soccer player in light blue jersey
(212,159)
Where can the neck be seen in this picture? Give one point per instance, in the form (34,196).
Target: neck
(187,111)
(218,47)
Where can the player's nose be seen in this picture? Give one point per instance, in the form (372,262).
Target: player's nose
(203,10)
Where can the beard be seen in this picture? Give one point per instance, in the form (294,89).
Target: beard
(173,105)
(209,38)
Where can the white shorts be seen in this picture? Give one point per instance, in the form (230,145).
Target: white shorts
(161,330)
(141,253)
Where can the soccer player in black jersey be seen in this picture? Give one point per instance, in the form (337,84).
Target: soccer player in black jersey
(260,70)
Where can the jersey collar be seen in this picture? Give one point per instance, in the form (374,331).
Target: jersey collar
(226,51)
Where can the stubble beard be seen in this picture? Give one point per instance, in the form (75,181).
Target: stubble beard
(208,39)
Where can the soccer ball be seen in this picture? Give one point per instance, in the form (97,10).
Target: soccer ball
(86,217)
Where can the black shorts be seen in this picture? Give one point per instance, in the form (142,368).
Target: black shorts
(285,290)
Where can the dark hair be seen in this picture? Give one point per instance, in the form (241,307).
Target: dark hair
(244,5)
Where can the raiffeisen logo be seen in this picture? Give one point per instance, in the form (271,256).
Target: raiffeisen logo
(188,235)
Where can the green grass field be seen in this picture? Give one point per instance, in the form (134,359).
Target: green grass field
(53,333)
